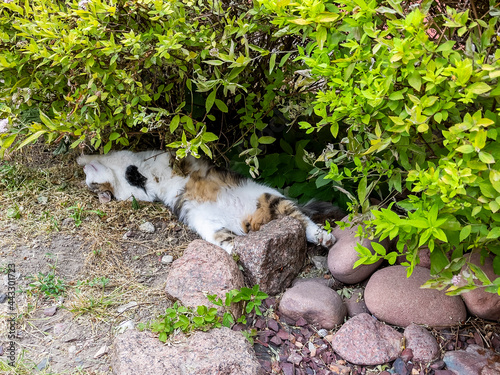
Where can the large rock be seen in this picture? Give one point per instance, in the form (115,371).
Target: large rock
(399,300)
(479,302)
(216,352)
(474,360)
(363,340)
(274,255)
(314,302)
(343,255)
(423,345)
(203,268)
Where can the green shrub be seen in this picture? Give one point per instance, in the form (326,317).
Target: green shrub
(411,99)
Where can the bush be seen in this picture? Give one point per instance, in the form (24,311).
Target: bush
(399,100)
(411,98)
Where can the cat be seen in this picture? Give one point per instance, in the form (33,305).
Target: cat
(217,203)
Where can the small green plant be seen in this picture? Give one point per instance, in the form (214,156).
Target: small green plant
(79,211)
(204,318)
(184,319)
(14,212)
(48,284)
(250,297)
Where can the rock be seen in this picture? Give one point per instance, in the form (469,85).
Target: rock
(474,360)
(322,332)
(44,363)
(295,358)
(399,367)
(125,307)
(204,267)
(50,311)
(422,344)
(343,255)
(147,227)
(167,259)
(103,350)
(339,369)
(424,256)
(398,300)
(320,262)
(272,256)
(314,302)
(218,351)
(124,326)
(479,302)
(363,340)
(355,304)
(3,297)
(330,282)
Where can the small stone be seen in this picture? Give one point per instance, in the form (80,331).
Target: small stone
(43,364)
(399,367)
(3,297)
(438,365)
(1,350)
(128,235)
(127,306)
(339,369)
(282,334)
(42,199)
(103,350)
(147,227)
(287,368)
(50,311)
(312,349)
(276,341)
(72,349)
(322,332)
(295,358)
(407,355)
(167,259)
(123,326)
(321,263)
(59,328)
(329,338)
(301,322)
(299,345)
(273,324)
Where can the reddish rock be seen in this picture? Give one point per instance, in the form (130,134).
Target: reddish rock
(272,256)
(424,256)
(203,267)
(422,344)
(219,351)
(355,304)
(343,255)
(330,282)
(363,340)
(314,302)
(396,299)
(479,302)
(474,360)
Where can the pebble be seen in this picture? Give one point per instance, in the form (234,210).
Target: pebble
(295,358)
(103,350)
(123,326)
(312,349)
(147,227)
(322,332)
(72,349)
(320,262)
(167,259)
(50,311)
(3,297)
(43,364)
(127,306)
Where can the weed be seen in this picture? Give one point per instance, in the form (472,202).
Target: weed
(48,284)
(79,212)
(14,212)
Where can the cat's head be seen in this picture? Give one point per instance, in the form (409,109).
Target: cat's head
(99,178)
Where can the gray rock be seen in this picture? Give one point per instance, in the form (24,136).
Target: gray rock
(50,311)
(320,262)
(343,255)
(147,227)
(423,345)
(273,256)
(479,302)
(219,351)
(474,360)
(167,259)
(363,340)
(314,302)
(124,326)
(102,351)
(126,307)
(44,363)
(59,329)
(3,297)
(399,300)
(203,268)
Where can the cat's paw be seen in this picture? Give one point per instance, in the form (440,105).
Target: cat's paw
(228,246)
(326,239)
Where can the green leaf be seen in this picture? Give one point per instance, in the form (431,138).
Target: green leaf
(174,124)
(266,140)
(465,149)
(465,232)
(415,80)
(379,249)
(479,88)
(494,233)
(210,100)
(209,137)
(221,105)
(486,157)
(272,63)
(113,136)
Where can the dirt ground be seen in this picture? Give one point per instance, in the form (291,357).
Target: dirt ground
(91,258)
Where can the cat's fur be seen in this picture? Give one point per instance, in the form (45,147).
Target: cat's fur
(216,203)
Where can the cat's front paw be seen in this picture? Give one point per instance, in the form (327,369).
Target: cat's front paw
(326,239)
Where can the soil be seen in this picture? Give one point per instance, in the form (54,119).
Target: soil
(110,272)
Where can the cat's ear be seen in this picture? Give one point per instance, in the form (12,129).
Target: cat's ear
(105,196)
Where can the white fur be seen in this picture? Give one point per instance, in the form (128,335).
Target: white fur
(232,206)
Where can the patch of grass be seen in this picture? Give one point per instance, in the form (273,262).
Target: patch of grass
(79,211)
(48,284)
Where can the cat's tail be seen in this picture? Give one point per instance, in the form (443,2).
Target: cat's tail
(320,211)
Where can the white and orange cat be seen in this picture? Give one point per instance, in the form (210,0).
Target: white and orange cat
(216,203)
